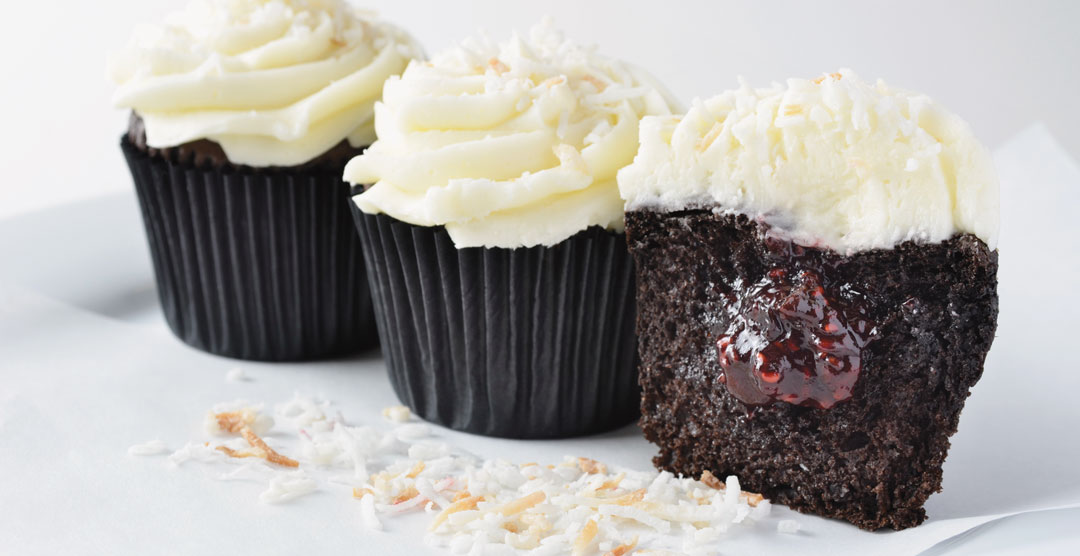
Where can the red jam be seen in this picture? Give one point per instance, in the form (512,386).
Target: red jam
(789,340)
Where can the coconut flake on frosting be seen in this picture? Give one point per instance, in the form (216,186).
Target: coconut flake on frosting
(507,145)
(274,82)
(833,162)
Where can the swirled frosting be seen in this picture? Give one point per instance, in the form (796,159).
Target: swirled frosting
(507,145)
(274,82)
(834,162)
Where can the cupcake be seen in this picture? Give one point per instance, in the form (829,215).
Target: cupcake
(817,291)
(493,235)
(243,115)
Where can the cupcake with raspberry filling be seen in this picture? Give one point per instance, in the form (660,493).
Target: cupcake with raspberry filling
(817,291)
(493,235)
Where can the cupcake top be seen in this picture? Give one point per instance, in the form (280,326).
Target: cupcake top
(508,145)
(832,162)
(274,82)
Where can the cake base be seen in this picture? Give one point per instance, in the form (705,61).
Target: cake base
(532,342)
(204,153)
(251,263)
(875,455)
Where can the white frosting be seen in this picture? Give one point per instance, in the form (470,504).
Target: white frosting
(274,82)
(834,162)
(507,145)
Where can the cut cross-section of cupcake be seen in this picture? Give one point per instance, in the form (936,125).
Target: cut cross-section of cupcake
(243,117)
(493,235)
(817,291)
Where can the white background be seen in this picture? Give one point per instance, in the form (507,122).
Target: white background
(1001,65)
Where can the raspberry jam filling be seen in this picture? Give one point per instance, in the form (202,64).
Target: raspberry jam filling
(790,339)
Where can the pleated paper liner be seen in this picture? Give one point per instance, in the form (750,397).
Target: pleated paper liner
(524,343)
(260,264)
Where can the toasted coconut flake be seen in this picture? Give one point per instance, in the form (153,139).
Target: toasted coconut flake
(268,453)
(235,453)
(622,549)
(611,484)
(523,503)
(405,495)
(822,79)
(497,65)
(416,470)
(585,538)
(468,503)
(234,421)
(631,498)
(591,466)
(406,506)
(538,523)
(752,498)
(595,81)
(576,507)
(710,480)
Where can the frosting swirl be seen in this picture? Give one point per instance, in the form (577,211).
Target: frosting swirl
(274,82)
(507,145)
(834,162)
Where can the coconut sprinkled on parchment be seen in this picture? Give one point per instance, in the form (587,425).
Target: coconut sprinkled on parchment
(575,506)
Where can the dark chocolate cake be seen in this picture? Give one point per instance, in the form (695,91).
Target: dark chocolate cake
(203,153)
(817,291)
(829,383)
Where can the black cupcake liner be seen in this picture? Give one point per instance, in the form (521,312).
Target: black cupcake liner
(524,343)
(260,264)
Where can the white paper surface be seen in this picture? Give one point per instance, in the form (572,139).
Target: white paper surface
(77,388)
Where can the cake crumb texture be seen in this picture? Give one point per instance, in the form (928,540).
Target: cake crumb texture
(872,459)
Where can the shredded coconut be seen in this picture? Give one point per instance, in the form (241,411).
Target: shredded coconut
(288,486)
(236,374)
(195,451)
(397,413)
(789,526)
(229,418)
(576,506)
(367,513)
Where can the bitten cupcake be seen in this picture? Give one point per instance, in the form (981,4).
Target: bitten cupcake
(244,114)
(493,235)
(817,274)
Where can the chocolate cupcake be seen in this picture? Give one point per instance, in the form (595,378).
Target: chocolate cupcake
(243,117)
(817,291)
(493,235)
